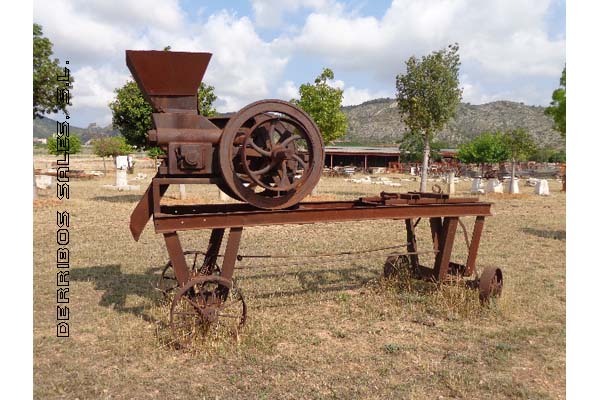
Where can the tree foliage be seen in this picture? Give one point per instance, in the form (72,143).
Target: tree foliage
(132,114)
(45,73)
(558,107)
(323,103)
(519,144)
(111,146)
(428,94)
(548,154)
(70,144)
(487,148)
(155,152)
(206,100)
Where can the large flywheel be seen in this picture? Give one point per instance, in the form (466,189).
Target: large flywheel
(271,154)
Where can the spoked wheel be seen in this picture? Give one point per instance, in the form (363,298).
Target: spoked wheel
(167,283)
(205,305)
(271,154)
(490,284)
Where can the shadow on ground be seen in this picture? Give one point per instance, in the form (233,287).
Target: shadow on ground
(547,233)
(337,280)
(118,285)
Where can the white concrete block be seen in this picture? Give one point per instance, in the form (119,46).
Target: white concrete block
(450,179)
(515,186)
(121,177)
(494,186)
(44,181)
(477,186)
(121,162)
(541,188)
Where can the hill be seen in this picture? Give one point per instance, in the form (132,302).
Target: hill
(45,127)
(378,121)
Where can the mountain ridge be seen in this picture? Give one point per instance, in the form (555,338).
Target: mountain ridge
(378,121)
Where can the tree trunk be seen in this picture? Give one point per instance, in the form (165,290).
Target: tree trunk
(512,177)
(425,165)
(104,162)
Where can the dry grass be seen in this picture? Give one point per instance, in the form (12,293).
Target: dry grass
(331,330)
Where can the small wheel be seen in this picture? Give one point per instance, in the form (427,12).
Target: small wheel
(206,304)
(271,154)
(396,266)
(167,283)
(490,284)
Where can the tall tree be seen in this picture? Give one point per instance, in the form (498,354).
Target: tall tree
(520,146)
(45,73)
(558,107)
(110,146)
(323,103)
(132,114)
(427,95)
(487,148)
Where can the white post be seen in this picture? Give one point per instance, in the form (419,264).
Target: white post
(451,189)
(182,194)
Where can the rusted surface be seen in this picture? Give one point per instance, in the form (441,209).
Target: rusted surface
(269,154)
(490,284)
(442,258)
(261,157)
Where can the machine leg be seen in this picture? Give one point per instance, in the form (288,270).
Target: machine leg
(214,245)
(436,231)
(474,246)
(182,272)
(412,244)
(231,252)
(442,257)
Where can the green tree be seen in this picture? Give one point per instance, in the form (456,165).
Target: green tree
(487,148)
(558,157)
(323,103)
(427,95)
(45,73)
(132,114)
(543,154)
(206,100)
(110,146)
(520,146)
(71,145)
(412,145)
(558,107)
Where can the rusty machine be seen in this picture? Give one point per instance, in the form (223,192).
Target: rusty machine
(269,156)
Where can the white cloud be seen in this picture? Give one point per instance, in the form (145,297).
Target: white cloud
(288,91)
(244,68)
(354,96)
(94,87)
(501,37)
(269,13)
(505,48)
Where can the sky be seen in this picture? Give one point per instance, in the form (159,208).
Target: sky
(510,49)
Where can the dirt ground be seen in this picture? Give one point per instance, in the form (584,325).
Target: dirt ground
(329,329)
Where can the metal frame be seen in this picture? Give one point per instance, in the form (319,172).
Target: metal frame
(442,211)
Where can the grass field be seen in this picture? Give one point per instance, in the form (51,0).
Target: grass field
(325,330)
